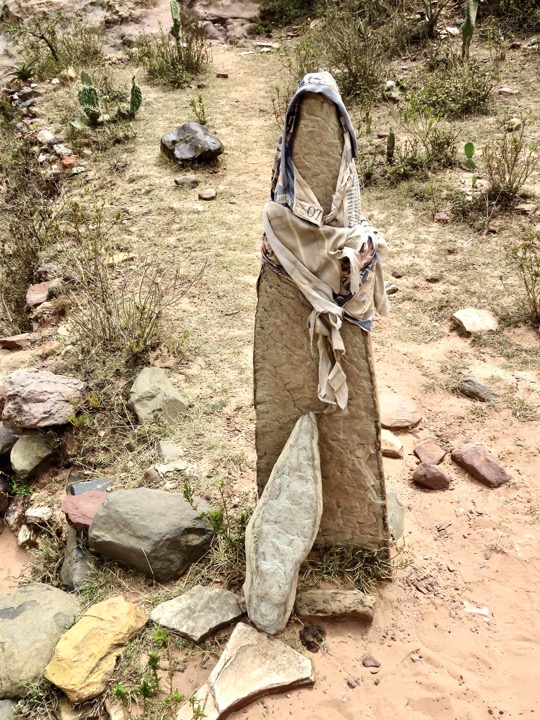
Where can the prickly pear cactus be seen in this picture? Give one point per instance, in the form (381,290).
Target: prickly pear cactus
(136,98)
(175,14)
(390,146)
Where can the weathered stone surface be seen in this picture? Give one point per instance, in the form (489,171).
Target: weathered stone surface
(80,510)
(224,9)
(85,656)
(15,515)
(427,451)
(77,563)
(169,451)
(470,386)
(252,665)
(32,451)
(481,464)
(391,446)
(84,486)
(38,515)
(38,398)
(335,603)
(16,342)
(189,181)
(199,612)
(37,294)
(153,531)
(286,381)
(283,528)
(207,194)
(154,399)
(7,710)
(470,321)
(191,142)
(31,622)
(398,412)
(27,537)
(431,477)
(7,439)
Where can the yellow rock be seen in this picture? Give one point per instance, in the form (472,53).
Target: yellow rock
(85,656)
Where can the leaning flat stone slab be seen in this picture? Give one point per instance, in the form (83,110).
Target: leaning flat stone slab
(199,612)
(335,603)
(85,656)
(38,398)
(252,665)
(286,382)
(32,619)
(471,321)
(481,464)
(398,412)
(283,528)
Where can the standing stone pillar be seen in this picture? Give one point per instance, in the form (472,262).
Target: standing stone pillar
(286,367)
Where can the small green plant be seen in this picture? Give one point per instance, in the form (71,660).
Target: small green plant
(23,72)
(20,488)
(120,693)
(196,708)
(161,637)
(510,159)
(197,105)
(469,149)
(525,257)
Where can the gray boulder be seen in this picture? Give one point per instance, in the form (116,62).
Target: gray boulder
(32,619)
(153,399)
(152,531)
(77,563)
(38,398)
(7,710)
(31,452)
(191,142)
(283,529)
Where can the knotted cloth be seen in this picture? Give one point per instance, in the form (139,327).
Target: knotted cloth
(333,258)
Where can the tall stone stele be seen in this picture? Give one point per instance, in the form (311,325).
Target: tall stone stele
(286,367)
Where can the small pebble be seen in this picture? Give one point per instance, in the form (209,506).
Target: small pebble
(207,194)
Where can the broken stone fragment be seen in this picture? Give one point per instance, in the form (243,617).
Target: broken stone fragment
(470,386)
(335,603)
(431,477)
(189,181)
(391,446)
(16,342)
(207,194)
(481,464)
(38,398)
(471,321)
(81,509)
(85,656)
(84,486)
(27,538)
(37,294)
(199,612)
(32,451)
(15,515)
(427,451)
(38,515)
(398,412)
(283,528)
(252,665)
(191,142)
(154,399)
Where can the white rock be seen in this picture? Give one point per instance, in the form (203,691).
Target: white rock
(470,321)
(391,446)
(398,411)
(283,528)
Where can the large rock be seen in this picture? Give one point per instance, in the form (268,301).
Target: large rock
(191,142)
(470,386)
(77,563)
(38,398)
(225,9)
(286,381)
(471,321)
(252,665)
(153,531)
(481,464)
(199,612)
(283,528)
(32,451)
(80,510)
(32,620)
(85,657)
(398,412)
(153,399)
(335,603)
(7,710)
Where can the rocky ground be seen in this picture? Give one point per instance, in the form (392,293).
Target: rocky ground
(454,634)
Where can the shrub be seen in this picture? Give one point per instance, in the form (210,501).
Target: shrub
(509,161)
(453,88)
(286,12)
(517,14)
(525,256)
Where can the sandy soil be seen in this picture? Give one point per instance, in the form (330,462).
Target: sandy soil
(469,548)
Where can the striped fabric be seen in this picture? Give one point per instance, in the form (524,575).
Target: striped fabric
(334,259)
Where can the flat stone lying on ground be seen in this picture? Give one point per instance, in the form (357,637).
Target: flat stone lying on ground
(252,665)
(16,342)
(335,603)
(199,612)
(81,509)
(32,451)
(77,488)
(470,386)
(283,528)
(471,321)
(153,531)
(154,399)
(85,656)
(431,477)
(189,181)
(77,563)
(481,464)
(398,412)
(191,142)
(427,451)
(391,446)
(32,620)
(38,398)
